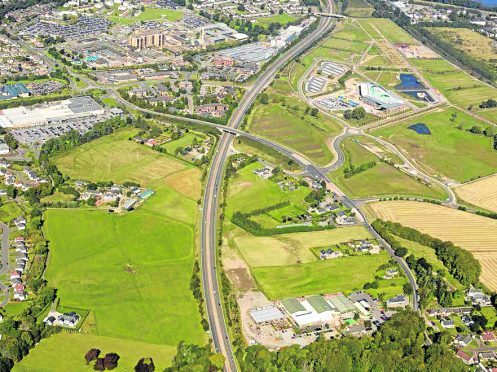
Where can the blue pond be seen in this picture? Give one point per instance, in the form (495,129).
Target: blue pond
(409,82)
(420,128)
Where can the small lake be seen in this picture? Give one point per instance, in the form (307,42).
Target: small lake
(420,128)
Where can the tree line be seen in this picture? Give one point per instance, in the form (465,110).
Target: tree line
(459,262)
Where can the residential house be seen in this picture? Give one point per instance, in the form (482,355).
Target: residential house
(447,323)
(463,340)
(329,254)
(468,359)
(477,297)
(398,301)
(487,336)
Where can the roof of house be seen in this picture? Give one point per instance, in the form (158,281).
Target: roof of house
(461,354)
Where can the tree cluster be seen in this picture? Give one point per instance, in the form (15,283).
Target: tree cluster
(459,262)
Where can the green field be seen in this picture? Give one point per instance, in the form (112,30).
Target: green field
(116,158)
(292,128)
(149,14)
(248,192)
(290,249)
(344,274)
(267,153)
(9,211)
(68,350)
(460,88)
(131,271)
(359,8)
(448,151)
(282,19)
(381,180)
(388,29)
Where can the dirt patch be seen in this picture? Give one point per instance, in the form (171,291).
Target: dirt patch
(186,182)
(130,269)
(238,272)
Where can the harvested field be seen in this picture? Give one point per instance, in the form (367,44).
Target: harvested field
(480,193)
(469,231)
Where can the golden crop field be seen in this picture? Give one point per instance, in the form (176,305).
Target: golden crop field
(472,232)
(481,193)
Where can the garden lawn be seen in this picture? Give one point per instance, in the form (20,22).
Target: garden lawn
(381,180)
(116,158)
(9,211)
(344,274)
(448,151)
(66,351)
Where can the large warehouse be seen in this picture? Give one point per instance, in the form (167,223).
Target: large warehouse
(379,97)
(73,108)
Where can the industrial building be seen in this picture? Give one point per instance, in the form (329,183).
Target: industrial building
(47,113)
(379,97)
(318,310)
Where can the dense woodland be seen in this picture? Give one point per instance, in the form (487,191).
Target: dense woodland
(399,345)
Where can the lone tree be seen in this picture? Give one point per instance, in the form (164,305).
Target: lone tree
(110,360)
(145,365)
(91,355)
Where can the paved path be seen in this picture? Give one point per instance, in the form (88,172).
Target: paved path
(5,261)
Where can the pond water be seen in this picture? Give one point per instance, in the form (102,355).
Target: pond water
(420,128)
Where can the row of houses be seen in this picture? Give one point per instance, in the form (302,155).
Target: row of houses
(20,267)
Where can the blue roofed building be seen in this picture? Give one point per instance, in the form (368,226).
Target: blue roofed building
(10,91)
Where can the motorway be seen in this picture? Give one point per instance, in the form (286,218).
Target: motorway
(219,331)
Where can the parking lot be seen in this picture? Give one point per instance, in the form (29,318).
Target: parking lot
(36,136)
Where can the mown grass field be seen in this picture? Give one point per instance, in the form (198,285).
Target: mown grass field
(68,351)
(448,151)
(131,271)
(304,133)
(149,14)
(267,153)
(459,87)
(389,30)
(115,158)
(330,276)
(359,8)
(381,180)
(295,248)
(248,192)
(481,193)
(469,231)
(282,19)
